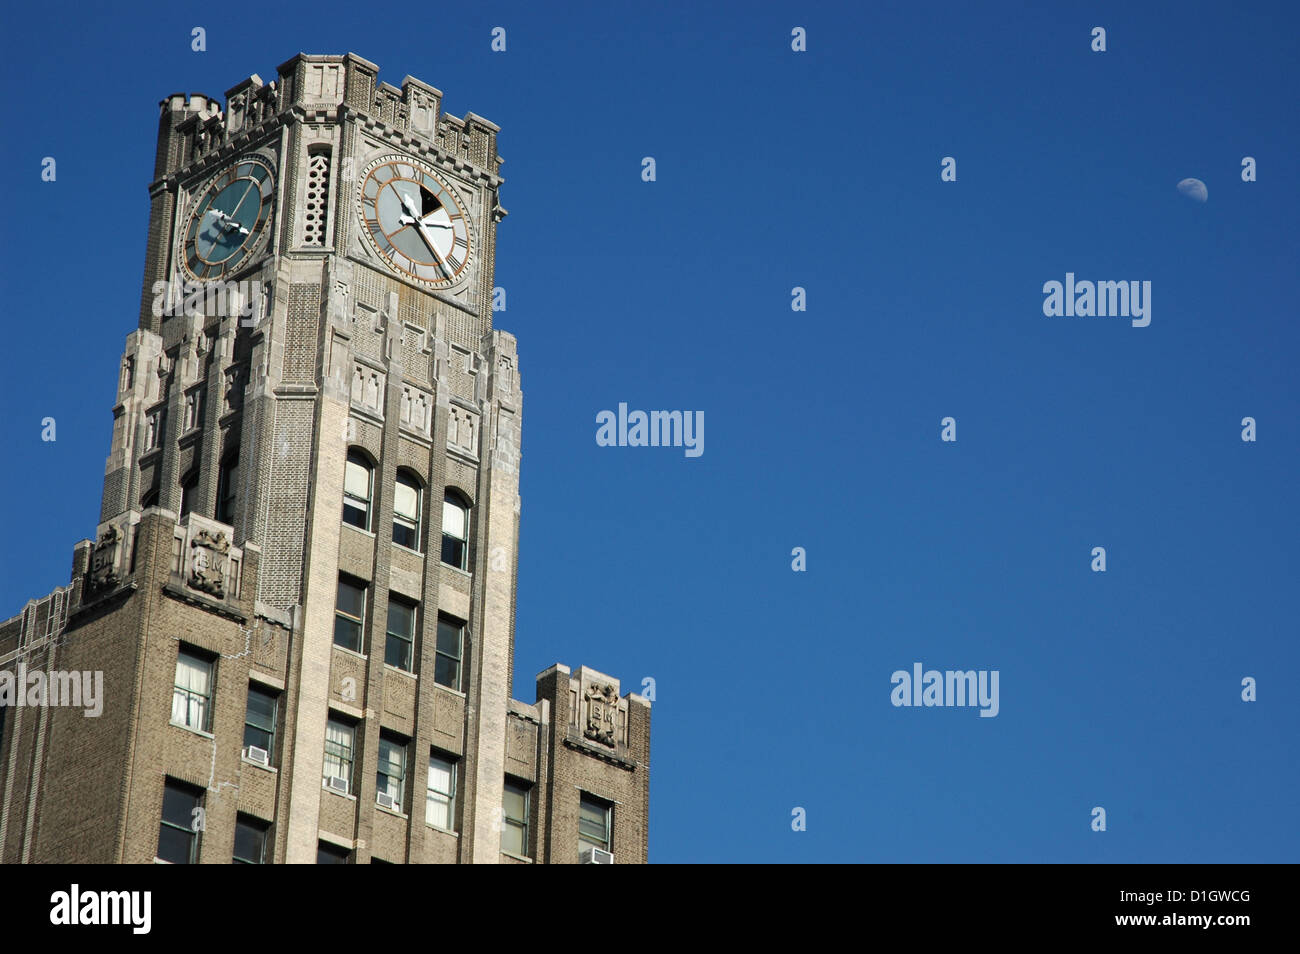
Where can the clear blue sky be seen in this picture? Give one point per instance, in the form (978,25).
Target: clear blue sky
(817,169)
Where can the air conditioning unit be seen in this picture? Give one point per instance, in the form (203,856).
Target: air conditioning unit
(336,784)
(254,754)
(386,801)
(596,856)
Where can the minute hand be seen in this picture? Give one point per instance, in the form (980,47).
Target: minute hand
(422,228)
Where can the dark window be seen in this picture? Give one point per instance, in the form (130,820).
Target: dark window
(250,840)
(450,650)
(178,832)
(189,492)
(349,613)
(227,486)
(401,634)
(259,719)
(327,854)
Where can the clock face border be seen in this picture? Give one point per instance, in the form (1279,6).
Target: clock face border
(254,169)
(402,247)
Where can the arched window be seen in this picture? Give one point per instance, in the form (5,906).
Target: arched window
(150,498)
(406,511)
(227,486)
(455,530)
(189,491)
(358,479)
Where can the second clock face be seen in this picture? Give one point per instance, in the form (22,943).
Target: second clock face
(228,221)
(415,221)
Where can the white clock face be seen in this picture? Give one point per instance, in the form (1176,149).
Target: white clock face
(415,221)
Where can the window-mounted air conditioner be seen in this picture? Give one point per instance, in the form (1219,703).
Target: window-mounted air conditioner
(596,856)
(254,754)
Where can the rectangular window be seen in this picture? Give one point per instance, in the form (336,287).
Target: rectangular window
(178,830)
(401,634)
(250,840)
(340,744)
(259,720)
(514,811)
(327,854)
(406,513)
(192,691)
(595,823)
(451,646)
(349,615)
(390,772)
(440,800)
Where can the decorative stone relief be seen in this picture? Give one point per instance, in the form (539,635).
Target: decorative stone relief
(602,713)
(104,562)
(417,410)
(368,388)
(462,430)
(209,555)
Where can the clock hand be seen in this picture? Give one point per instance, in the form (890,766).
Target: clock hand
(409,205)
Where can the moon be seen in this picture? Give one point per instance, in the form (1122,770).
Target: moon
(1194,189)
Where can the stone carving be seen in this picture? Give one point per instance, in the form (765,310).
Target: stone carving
(208,563)
(103,561)
(602,706)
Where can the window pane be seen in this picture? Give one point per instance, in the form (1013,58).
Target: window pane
(406,500)
(512,839)
(352,600)
(449,638)
(178,805)
(261,709)
(401,618)
(175,844)
(453,519)
(356,479)
(514,802)
(440,773)
(446,672)
(347,633)
(250,843)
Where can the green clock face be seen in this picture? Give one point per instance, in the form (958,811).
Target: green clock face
(415,221)
(228,222)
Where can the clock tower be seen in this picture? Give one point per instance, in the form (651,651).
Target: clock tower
(308,539)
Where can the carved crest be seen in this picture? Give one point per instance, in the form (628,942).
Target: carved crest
(103,561)
(602,706)
(208,563)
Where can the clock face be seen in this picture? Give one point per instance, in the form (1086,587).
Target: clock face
(228,222)
(415,221)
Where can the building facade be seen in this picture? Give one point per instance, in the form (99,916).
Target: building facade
(299,603)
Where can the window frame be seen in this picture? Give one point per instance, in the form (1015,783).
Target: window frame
(190,791)
(392,639)
(398,744)
(350,759)
(606,807)
(360,621)
(227,482)
(520,824)
(366,505)
(255,687)
(184,651)
(456,499)
(434,796)
(263,830)
(412,524)
(439,654)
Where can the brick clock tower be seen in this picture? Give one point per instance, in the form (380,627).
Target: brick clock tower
(301,593)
